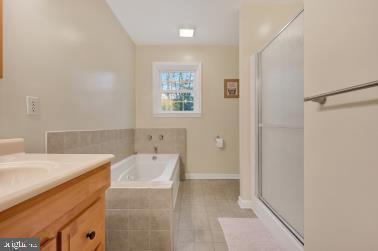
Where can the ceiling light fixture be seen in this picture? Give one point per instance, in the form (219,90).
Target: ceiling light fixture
(186,32)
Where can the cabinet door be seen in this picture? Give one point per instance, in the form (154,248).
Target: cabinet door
(87,231)
(49,245)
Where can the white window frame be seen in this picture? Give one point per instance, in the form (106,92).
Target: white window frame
(157,68)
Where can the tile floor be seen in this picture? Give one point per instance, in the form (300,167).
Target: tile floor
(199,205)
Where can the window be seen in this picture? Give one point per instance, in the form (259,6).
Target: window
(177,89)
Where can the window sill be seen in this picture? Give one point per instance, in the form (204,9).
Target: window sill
(178,115)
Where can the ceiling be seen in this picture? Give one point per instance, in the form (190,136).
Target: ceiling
(158,21)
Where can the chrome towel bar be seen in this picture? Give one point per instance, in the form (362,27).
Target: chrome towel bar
(322,98)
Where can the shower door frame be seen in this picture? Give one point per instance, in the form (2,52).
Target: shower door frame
(258,120)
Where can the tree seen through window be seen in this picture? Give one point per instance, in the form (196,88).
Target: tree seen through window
(177,91)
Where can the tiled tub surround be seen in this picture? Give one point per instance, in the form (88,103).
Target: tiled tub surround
(119,142)
(139,219)
(140,214)
(167,140)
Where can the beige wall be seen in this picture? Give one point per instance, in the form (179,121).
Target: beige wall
(258,24)
(219,115)
(74,56)
(341,139)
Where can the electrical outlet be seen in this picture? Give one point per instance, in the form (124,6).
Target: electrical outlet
(32,105)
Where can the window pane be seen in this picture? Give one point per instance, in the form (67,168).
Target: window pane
(177,102)
(164,81)
(177,81)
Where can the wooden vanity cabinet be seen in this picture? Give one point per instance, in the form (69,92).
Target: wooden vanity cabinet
(69,217)
(50,245)
(86,232)
(1,38)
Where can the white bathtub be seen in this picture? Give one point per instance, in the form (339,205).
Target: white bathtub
(147,171)
(145,168)
(142,185)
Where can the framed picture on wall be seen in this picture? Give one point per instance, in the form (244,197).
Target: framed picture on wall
(231,88)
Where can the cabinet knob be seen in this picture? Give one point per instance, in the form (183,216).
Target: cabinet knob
(91,235)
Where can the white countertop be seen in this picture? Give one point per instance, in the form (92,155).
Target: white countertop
(23,176)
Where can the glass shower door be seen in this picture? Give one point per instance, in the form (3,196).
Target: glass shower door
(280,85)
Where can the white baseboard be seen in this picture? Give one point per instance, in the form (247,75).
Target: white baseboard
(211,176)
(245,203)
(281,234)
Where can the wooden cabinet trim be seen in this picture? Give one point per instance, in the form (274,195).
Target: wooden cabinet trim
(45,214)
(49,245)
(74,235)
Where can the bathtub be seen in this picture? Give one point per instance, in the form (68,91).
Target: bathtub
(145,168)
(143,186)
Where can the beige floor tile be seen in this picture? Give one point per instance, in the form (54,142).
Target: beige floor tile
(160,240)
(116,240)
(203,246)
(138,240)
(200,221)
(186,235)
(185,246)
(220,247)
(218,236)
(244,213)
(186,223)
(213,211)
(200,204)
(195,209)
(202,235)
(214,223)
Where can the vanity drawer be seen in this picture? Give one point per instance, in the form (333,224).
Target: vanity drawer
(87,231)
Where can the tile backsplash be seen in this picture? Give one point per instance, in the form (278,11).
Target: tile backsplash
(167,140)
(119,142)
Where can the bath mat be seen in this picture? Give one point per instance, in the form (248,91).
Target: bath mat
(247,234)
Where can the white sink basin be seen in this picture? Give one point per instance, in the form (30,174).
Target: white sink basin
(25,175)
(24,172)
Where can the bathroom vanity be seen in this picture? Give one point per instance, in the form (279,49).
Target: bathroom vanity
(56,198)
(1,39)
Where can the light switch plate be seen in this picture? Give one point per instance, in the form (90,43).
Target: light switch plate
(32,105)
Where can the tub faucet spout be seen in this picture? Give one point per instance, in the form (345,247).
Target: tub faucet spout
(154,157)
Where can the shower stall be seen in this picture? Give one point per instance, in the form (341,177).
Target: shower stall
(279,90)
